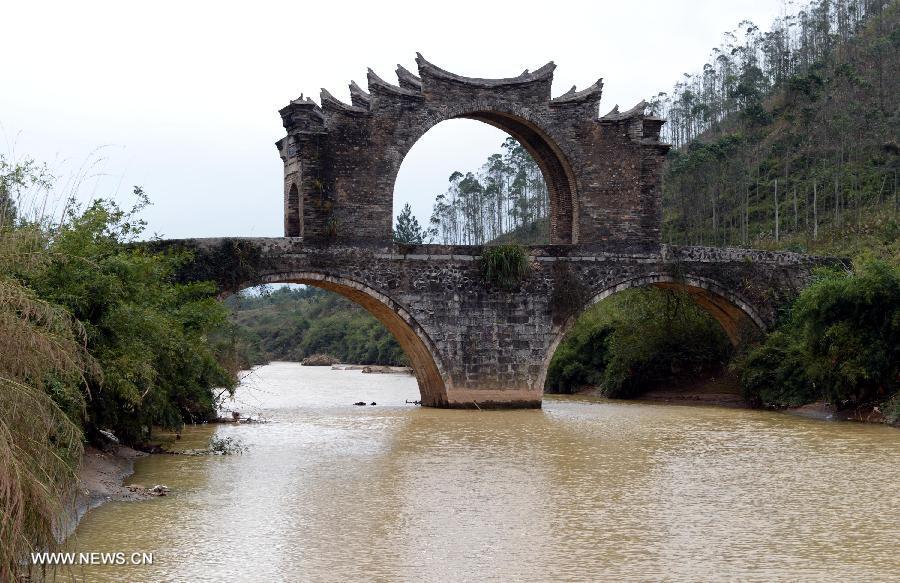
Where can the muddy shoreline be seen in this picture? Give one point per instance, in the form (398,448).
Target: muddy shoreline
(101,478)
(725,391)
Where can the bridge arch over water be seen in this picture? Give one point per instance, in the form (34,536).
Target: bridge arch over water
(737,317)
(472,343)
(423,357)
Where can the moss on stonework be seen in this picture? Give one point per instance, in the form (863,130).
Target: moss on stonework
(231,263)
(569,293)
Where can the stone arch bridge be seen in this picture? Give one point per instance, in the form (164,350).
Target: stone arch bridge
(470,342)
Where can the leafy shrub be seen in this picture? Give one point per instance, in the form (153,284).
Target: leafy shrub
(841,343)
(580,360)
(774,373)
(634,340)
(226,445)
(148,333)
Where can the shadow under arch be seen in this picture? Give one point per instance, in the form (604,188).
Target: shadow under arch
(738,319)
(415,343)
(550,158)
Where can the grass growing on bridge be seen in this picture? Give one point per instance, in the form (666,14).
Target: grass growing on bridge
(504,265)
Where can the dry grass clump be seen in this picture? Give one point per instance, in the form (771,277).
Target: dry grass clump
(39,449)
(40,345)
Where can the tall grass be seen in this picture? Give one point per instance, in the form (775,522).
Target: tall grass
(40,344)
(39,449)
(42,349)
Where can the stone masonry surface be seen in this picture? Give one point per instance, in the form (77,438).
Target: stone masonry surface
(471,342)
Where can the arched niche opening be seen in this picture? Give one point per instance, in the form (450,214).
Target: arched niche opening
(293,224)
(715,323)
(482,178)
(415,344)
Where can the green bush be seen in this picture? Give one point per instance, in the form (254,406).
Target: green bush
(504,265)
(148,333)
(634,340)
(580,360)
(774,374)
(94,334)
(841,343)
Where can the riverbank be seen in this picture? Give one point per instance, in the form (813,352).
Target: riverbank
(374,368)
(101,479)
(724,390)
(822,410)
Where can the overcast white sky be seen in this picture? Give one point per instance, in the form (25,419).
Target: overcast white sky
(182,97)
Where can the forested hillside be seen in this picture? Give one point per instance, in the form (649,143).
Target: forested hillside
(789,138)
(293,323)
(786,138)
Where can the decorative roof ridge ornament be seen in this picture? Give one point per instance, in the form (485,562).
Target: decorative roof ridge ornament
(376,82)
(305,102)
(636,111)
(302,112)
(426,68)
(358,97)
(407,79)
(588,94)
(330,102)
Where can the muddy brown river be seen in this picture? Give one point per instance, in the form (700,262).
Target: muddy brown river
(582,490)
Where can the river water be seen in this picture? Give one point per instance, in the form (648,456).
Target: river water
(582,490)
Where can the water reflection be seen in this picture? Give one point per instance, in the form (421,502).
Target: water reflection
(581,490)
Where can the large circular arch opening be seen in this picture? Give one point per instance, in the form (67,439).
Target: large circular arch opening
(558,176)
(508,184)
